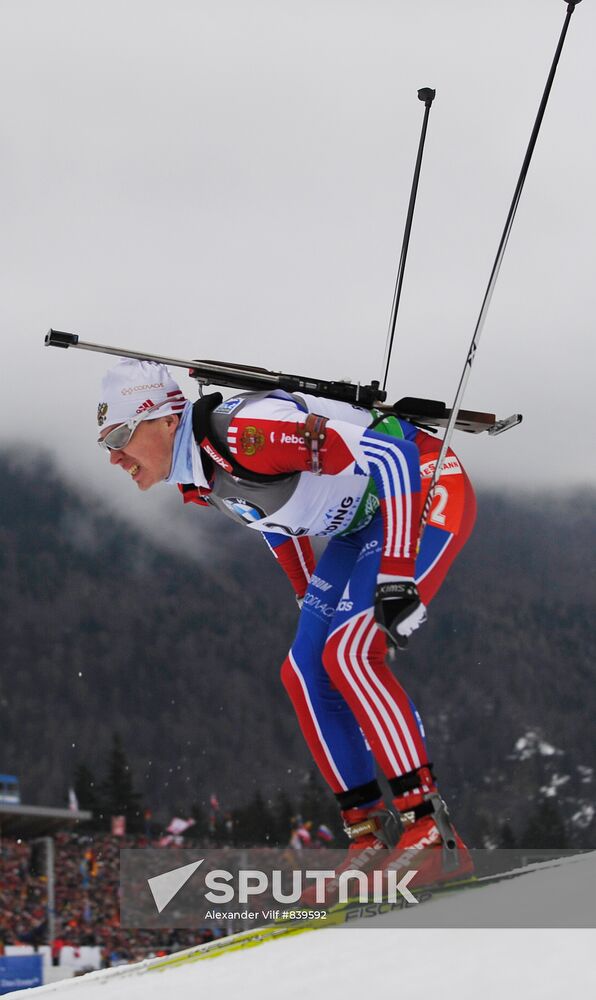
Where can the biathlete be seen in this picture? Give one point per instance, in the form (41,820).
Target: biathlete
(296,466)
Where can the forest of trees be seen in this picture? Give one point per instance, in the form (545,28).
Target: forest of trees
(103,631)
(269,821)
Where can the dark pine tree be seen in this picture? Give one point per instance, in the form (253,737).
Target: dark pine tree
(284,811)
(318,805)
(200,830)
(545,830)
(117,791)
(254,824)
(88,796)
(507,838)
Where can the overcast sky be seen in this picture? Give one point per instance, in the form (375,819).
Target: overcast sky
(230,179)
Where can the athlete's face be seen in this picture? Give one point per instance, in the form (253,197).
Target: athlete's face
(147,458)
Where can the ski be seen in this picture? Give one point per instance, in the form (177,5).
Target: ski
(340,915)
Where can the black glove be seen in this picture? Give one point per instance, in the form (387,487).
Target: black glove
(398,610)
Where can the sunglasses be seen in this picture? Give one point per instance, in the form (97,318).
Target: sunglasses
(120,436)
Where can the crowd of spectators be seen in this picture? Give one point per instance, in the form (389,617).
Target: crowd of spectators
(23,898)
(86,900)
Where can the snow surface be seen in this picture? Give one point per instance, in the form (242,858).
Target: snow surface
(462,964)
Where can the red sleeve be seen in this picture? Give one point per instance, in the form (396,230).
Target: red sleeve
(296,558)
(274,447)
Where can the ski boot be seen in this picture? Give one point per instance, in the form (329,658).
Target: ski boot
(429,843)
(373,830)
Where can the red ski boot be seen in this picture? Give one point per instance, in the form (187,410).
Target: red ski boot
(373,831)
(429,843)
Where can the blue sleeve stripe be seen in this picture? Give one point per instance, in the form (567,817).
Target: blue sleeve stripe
(274,539)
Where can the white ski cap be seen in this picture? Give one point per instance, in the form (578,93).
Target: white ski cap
(133,386)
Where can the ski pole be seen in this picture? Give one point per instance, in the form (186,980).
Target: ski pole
(494,274)
(427,95)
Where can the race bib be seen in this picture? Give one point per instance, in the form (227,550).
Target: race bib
(448,502)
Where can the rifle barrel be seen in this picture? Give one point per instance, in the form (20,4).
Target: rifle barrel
(233,375)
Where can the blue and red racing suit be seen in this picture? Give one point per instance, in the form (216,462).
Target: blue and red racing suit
(366,499)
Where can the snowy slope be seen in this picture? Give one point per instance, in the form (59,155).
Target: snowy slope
(462,963)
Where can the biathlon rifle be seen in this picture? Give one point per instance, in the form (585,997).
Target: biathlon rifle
(428,413)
